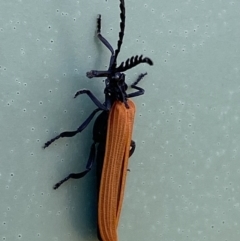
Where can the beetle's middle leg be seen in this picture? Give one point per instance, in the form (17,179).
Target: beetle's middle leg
(73,133)
(92,97)
(81,174)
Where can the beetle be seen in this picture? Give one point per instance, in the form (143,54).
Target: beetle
(112,131)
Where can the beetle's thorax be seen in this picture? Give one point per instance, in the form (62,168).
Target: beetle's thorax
(116,87)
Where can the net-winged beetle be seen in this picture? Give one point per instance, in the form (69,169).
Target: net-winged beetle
(112,132)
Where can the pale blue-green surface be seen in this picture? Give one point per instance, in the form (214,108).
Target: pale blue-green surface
(184,182)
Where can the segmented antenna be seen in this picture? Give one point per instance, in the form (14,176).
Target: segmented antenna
(99,24)
(122,27)
(132,62)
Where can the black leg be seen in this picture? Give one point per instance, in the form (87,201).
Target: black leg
(72,133)
(81,174)
(92,97)
(132,146)
(134,86)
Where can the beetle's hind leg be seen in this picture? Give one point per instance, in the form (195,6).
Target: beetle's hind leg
(133,147)
(72,133)
(99,35)
(81,174)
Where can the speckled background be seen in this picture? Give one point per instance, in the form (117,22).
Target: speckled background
(184,182)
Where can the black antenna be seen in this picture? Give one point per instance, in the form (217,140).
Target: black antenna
(132,62)
(122,27)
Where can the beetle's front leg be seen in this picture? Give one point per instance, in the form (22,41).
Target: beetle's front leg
(140,91)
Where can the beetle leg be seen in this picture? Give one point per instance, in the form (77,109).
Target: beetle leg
(92,97)
(99,35)
(140,91)
(81,174)
(132,146)
(73,133)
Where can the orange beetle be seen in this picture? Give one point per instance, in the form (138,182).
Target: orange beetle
(112,133)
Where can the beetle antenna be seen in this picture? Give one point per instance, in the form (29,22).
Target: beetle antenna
(132,62)
(122,27)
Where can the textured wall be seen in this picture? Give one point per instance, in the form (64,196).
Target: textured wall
(185,173)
